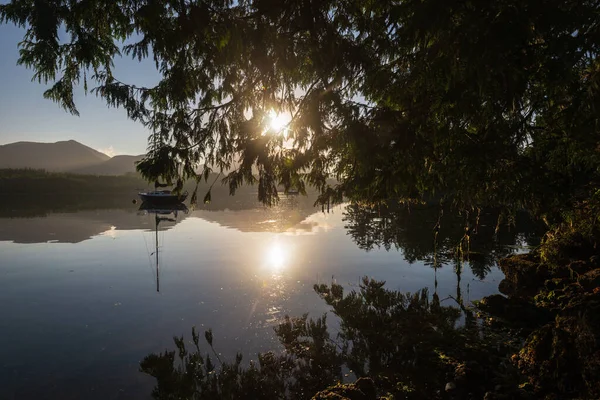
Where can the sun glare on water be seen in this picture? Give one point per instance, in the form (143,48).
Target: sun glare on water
(277,257)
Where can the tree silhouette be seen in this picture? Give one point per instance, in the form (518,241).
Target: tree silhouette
(484,103)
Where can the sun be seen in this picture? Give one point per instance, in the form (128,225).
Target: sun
(278,122)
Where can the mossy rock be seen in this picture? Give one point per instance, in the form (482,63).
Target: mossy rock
(524,274)
(362,389)
(569,245)
(580,267)
(590,280)
(563,357)
(515,311)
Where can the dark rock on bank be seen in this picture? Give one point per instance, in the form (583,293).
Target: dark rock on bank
(563,357)
(560,306)
(524,274)
(590,280)
(515,311)
(362,389)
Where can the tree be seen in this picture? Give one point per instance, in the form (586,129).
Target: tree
(484,103)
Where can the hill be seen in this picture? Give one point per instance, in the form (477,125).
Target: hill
(57,157)
(118,165)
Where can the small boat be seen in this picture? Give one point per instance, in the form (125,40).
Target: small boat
(162,197)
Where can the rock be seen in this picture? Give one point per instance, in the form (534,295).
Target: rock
(580,267)
(524,273)
(468,378)
(563,357)
(461,373)
(514,310)
(362,389)
(590,280)
(570,245)
(556,283)
(506,288)
(494,304)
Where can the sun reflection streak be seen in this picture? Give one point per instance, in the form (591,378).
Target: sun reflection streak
(268,308)
(112,232)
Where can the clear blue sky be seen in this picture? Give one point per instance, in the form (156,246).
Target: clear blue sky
(26,115)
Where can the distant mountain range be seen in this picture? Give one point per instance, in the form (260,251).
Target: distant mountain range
(118,165)
(66,156)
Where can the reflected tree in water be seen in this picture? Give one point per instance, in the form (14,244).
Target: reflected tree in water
(310,362)
(426,233)
(409,345)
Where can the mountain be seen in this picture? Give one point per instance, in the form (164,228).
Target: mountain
(58,157)
(118,165)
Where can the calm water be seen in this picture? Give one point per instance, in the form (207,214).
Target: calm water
(78,290)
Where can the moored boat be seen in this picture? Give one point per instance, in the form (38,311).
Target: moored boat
(162,197)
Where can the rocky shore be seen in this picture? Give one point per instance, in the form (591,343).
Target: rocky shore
(558,312)
(540,338)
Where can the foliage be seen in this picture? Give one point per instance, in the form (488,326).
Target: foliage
(486,103)
(408,343)
(577,237)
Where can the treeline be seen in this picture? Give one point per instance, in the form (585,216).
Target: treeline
(31,193)
(33,181)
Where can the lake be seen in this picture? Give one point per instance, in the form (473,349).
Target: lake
(81,304)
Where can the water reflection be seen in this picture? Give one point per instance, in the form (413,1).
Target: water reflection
(409,345)
(165,213)
(75,223)
(277,257)
(429,235)
(77,289)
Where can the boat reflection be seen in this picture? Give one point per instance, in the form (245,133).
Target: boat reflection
(162,213)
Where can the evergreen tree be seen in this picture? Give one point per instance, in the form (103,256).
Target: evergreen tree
(486,103)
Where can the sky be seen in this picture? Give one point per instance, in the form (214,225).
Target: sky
(26,116)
